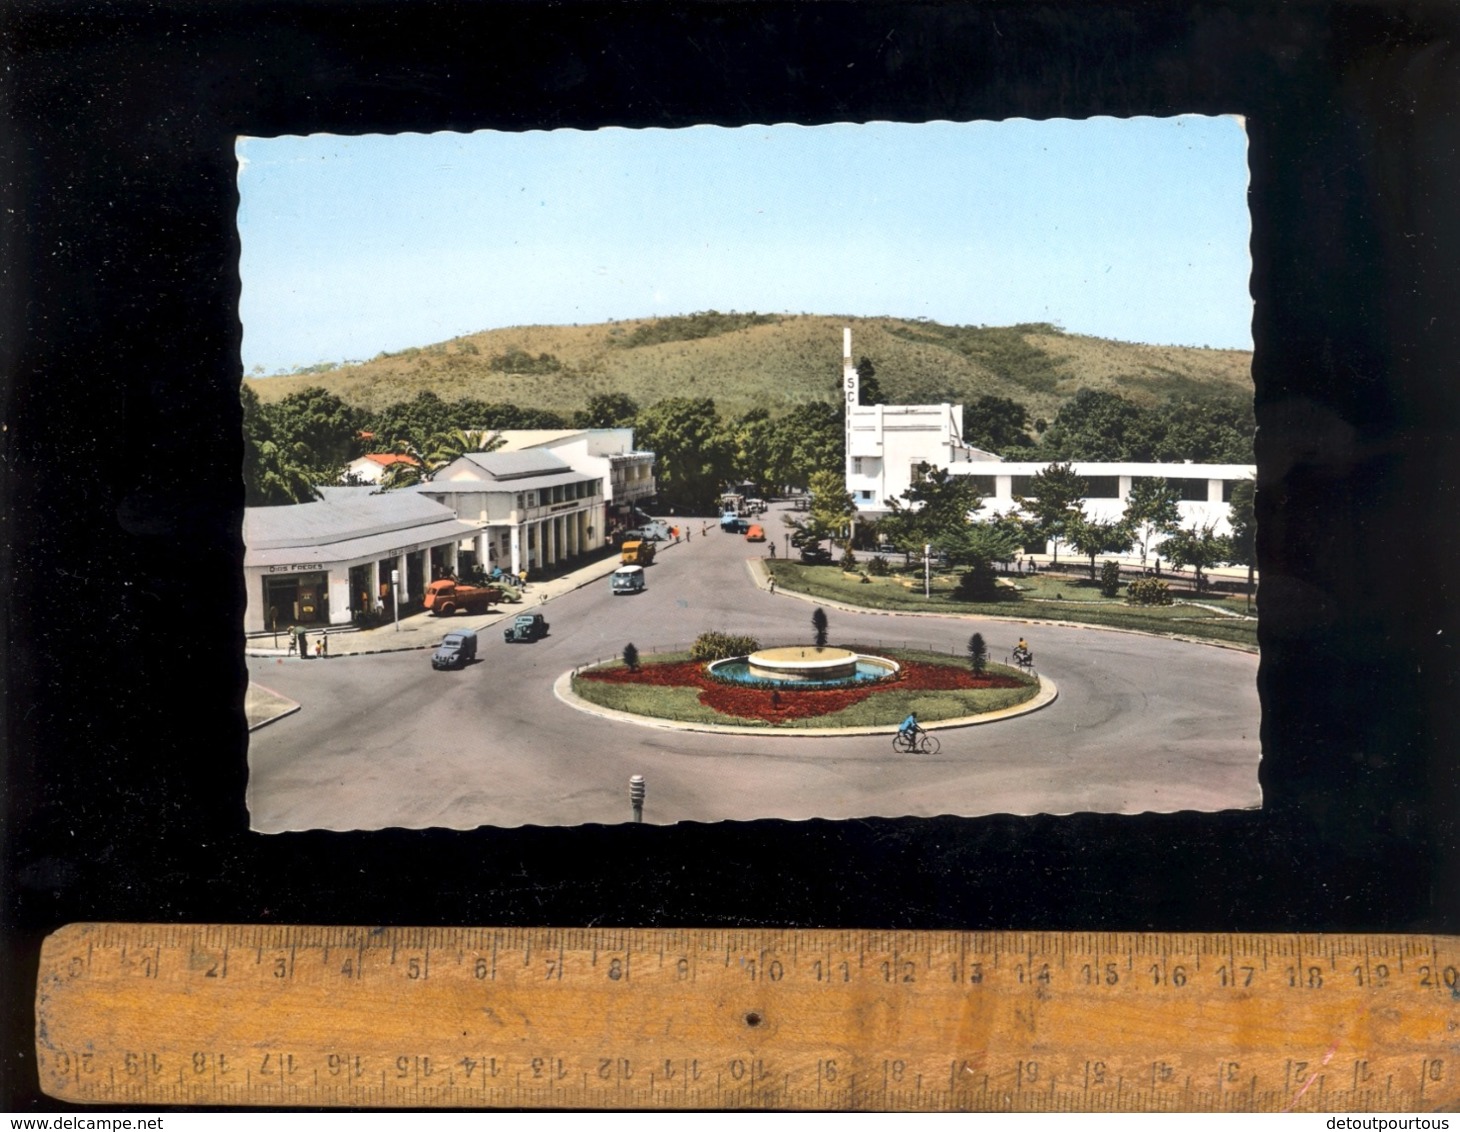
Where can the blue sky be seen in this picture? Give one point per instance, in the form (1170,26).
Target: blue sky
(1135,229)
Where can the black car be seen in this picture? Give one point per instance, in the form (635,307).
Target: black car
(816,556)
(525,627)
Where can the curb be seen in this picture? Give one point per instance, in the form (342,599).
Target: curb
(289,706)
(563,690)
(847,607)
(611,563)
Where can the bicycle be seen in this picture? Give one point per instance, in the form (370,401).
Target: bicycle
(1023,659)
(917,742)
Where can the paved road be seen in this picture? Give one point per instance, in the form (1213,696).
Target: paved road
(1142,724)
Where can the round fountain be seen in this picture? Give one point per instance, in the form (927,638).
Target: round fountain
(804,666)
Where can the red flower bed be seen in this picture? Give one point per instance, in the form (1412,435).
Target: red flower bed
(774,706)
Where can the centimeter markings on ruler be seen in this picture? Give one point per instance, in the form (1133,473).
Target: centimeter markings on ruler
(662,1019)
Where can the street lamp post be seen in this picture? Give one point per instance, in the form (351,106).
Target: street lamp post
(395,596)
(927,570)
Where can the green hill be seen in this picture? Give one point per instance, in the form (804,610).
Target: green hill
(748,360)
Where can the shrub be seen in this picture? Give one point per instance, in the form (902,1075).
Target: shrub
(864,580)
(818,625)
(978,583)
(717,646)
(631,657)
(1148,591)
(849,561)
(1109,579)
(878,566)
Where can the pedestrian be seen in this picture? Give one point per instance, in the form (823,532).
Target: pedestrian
(773,583)
(319,647)
(293,639)
(303,643)
(773,549)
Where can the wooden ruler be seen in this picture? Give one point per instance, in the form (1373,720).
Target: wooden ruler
(155,1015)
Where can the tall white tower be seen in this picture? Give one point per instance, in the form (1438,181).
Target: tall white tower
(850,393)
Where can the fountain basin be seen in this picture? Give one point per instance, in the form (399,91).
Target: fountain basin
(806,666)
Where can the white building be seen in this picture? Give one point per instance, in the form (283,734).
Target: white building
(535,510)
(890,446)
(627,473)
(319,563)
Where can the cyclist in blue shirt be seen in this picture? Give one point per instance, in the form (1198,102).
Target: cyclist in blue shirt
(909,728)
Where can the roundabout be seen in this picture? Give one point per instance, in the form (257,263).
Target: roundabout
(1141,723)
(845,693)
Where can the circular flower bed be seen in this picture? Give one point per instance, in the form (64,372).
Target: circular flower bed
(742,703)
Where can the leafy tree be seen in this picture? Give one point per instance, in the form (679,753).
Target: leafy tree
(271,474)
(1092,425)
(832,508)
(1198,548)
(693,454)
(932,510)
(978,654)
(320,431)
(631,657)
(818,626)
(978,583)
(869,389)
(813,438)
(607,410)
(413,422)
(996,424)
(979,544)
(1055,501)
(1092,537)
(1151,508)
(762,450)
(1243,539)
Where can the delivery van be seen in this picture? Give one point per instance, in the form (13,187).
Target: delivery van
(636,553)
(627,580)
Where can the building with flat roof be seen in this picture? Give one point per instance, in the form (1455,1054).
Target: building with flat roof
(890,446)
(627,472)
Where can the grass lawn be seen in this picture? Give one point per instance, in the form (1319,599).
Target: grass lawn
(1040,597)
(886,707)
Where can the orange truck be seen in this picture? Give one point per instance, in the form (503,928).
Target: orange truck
(445,597)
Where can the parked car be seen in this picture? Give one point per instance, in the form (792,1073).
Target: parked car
(816,556)
(525,627)
(457,650)
(755,533)
(627,580)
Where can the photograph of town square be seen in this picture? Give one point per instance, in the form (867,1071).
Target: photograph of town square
(799,472)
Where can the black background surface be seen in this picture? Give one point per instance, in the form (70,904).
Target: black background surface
(125,741)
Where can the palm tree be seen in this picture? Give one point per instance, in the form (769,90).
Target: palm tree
(440,450)
(448,446)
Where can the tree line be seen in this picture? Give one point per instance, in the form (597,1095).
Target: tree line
(307,439)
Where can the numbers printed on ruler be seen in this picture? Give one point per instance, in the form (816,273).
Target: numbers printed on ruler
(603,1018)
